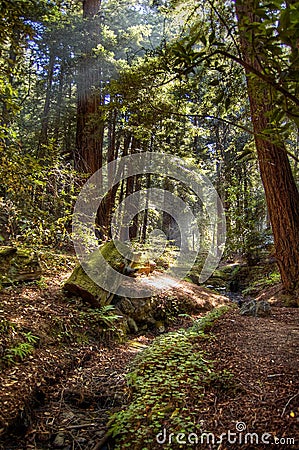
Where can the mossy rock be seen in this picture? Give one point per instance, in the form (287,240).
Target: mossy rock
(18,265)
(232,277)
(138,312)
(221,277)
(82,285)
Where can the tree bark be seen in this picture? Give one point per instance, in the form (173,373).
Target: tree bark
(145,216)
(135,223)
(104,213)
(59,101)
(43,138)
(280,189)
(90,128)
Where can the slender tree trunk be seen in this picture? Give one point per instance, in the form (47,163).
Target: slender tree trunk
(145,215)
(166,218)
(105,211)
(169,225)
(11,62)
(59,104)
(43,138)
(129,183)
(68,122)
(148,186)
(134,227)
(280,189)
(127,142)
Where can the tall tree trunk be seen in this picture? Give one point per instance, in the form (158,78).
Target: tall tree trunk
(43,138)
(280,189)
(6,112)
(169,226)
(145,216)
(90,129)
(129,183)
(104,213)
(135,222)
(148,186)
(59,101)
(68,122)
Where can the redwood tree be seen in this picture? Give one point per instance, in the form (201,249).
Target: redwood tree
(89,137)
(280,189)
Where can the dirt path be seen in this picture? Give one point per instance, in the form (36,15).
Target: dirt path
(262,353)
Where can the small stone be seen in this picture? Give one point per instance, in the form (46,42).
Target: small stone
(160,326)
(132,325)
(59,440)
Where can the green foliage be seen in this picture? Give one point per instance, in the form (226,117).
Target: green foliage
(168,380)
(41,283)
(215,44)
(17,27)
(6,325)
(20,351)
(186,98)
(31,339)
(37,201)
(54,261)
(102,323)
(265,281)
(102,316)
(206,322)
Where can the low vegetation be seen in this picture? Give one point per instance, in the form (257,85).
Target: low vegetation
(264,281)
(167,382)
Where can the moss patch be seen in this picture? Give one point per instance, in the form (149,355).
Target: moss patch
(18,265)
(82,285)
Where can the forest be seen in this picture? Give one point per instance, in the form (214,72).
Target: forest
(149,224)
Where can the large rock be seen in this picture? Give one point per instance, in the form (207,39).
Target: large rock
(142,311)
(82,285)
(18,265)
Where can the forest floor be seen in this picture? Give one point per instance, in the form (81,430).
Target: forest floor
(62,394)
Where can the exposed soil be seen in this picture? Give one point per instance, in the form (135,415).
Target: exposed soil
(262,353)
(61,395)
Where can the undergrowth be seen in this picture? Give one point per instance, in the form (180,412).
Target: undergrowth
(267,280)
(82,327)
(103,320)
(19,351)
(167,381)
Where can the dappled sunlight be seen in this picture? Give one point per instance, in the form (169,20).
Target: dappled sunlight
(161,282)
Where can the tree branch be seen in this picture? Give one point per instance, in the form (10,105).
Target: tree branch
(262,76)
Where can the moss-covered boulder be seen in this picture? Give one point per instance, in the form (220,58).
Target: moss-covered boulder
(142,311)
(83,285)
(17,265)
(227,276)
